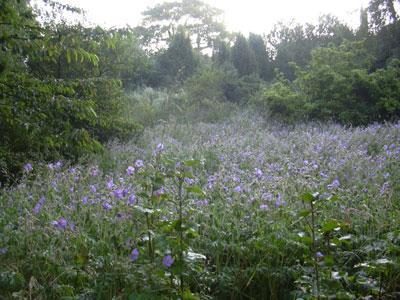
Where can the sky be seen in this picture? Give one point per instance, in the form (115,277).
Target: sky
(256,16)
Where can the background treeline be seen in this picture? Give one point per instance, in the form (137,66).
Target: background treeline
(66,89)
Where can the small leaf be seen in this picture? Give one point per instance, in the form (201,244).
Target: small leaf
(308,197)
(346,237)
(330,225)
(304,213)
(192,162)
(145,210)
(328,259)
(195,189)
(383,261)
(192,256)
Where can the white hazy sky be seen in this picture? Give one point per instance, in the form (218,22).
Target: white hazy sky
(256,16)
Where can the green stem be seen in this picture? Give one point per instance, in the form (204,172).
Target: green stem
(150,246)
(314,246)
(181,234)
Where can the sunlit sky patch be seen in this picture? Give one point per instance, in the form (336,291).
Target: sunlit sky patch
(256,16)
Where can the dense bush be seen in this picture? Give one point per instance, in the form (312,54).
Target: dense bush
(280,101)
(335,86)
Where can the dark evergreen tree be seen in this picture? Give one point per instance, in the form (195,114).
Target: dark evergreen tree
(264,65)
(363,30)
(221,53)
(178,62)
(383,12)
(243,56)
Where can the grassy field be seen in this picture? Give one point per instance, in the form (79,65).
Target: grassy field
(239,209)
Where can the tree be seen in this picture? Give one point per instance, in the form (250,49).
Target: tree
(178,62)
(221,52)
(243,56)
(363,30)
(264,66)
(337,86)
(53,104)
(383,12)
(385,42)
(294,42)
(199,19)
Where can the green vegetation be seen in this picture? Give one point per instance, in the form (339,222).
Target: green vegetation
(177,160)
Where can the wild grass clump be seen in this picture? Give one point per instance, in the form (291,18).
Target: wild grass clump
(239,209)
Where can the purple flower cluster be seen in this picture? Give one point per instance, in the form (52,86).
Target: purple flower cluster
(62,224)
(130,170)
(134,254)
(167,261)
(39,205)
(28,168)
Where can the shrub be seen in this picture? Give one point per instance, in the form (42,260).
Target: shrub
(281,101)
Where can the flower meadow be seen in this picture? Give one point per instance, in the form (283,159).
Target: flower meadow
(240,209)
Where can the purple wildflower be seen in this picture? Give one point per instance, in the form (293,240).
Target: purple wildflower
(159,192)
(259,173)
(3,250)
(264,207)
(130,170)
(134,254)
(118,193)
(167,261)
(28,167)
(94,171)
(39,205)
(189,181)
(323,174)
(237,189)
(335,184)
(107,206)
(279,202)
(384,188)
(60,224)
(267,196)
(93,188)
(202,202)
(160,147)
(110,184)
(139,163)
(85,200)
(132,199)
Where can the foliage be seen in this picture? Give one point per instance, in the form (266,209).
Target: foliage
(382,12)
(50,105)
(264,65)
(338,86)
(281,101)
(178,62)
(335,86)
(294,42)
(201,22)
(243,56)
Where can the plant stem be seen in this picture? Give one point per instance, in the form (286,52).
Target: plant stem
(181,234)
(316,269)
(151,253)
